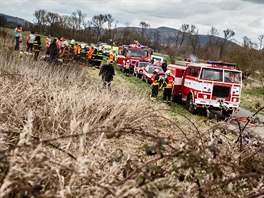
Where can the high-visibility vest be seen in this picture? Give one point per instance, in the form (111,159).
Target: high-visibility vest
(155,82)
(77,49)
(18,32)
(111,57)
(30,38)
(48,41)
(170,82)
(152,78)
(90,53)
(36,46)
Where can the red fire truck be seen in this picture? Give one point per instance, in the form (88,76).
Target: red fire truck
(211,85)
(133,54)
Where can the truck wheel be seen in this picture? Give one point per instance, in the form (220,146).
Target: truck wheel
(190,105)
(227,113)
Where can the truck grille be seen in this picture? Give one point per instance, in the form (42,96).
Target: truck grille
(220,91)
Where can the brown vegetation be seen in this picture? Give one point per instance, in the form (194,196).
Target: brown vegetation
(61,135)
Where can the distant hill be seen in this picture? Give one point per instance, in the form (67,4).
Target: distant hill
(167,32)
(15,20)
(164,32)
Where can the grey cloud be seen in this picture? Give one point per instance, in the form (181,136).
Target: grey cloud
(237,14)
(255,1)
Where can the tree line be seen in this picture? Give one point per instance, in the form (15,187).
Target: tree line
(181,43)
(103,28)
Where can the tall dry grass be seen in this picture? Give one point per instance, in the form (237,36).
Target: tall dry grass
(61,135)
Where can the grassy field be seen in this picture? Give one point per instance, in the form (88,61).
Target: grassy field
(252,97)
(62,135)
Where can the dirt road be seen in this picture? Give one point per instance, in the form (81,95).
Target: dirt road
(255,128)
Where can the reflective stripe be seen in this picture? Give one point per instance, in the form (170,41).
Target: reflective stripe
(170,82)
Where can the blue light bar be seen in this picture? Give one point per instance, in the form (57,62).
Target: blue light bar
(219,63)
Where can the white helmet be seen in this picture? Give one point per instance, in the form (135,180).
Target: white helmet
(156,70)
(168,72)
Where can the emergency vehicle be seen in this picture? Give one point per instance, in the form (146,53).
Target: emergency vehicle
(133,54)
(212,85)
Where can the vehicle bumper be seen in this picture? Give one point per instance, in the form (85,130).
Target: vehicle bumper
(216,104)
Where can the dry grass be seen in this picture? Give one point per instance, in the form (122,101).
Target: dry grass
(61,135)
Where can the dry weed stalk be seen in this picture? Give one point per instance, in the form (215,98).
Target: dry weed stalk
(62,136)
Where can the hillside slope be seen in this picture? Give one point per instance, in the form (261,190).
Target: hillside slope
(61,135)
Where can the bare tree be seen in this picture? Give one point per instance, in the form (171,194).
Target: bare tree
(156,40)
(98,21)
(143,31)
(228,35)
(193,38)
(109,33)
(261,41)
(211,48)
(40,16)
(52,20)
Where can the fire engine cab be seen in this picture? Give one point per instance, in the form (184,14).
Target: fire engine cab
(212,85)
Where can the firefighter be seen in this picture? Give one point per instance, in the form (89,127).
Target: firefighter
(37,47)
(111,57)
(97,58)
(77,51)
(107,71)
(155,79)
(164,65)
(18,35)
(168,82)
(90,55)
(30,40)
(127,67)
(48,41)
(54,51)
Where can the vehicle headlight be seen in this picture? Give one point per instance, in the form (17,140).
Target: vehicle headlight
(205,96)
(234,99)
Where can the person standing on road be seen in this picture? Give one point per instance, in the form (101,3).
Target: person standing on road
(18,35)
(107,72)
(155,78)
(168,87)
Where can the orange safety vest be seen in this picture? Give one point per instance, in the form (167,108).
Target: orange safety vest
(77,49)
(170,82)
(111,57)
(152,78)
(48,41)
(90,53)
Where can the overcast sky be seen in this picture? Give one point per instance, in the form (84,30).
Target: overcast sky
(244,17)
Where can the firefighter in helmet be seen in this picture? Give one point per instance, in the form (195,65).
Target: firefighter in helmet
(155,79)
(168,84)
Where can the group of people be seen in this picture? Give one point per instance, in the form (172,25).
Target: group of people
(158,83)
(33,42)
(58,48)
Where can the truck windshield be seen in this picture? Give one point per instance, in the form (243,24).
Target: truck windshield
(212,74)
(232,76)
(136,53)
(142,64)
